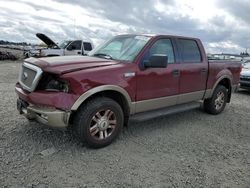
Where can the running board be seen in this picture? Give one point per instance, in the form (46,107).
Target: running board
(164,111)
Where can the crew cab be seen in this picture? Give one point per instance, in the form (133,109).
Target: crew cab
(134,77)
(67,47)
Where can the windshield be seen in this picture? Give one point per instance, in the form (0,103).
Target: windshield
(64,44)
(123,48)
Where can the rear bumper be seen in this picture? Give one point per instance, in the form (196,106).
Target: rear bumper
(44,115)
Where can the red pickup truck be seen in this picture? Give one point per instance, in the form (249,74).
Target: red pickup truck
(128,77)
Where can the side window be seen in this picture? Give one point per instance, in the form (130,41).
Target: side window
(164,47)
(190,51)
(76,45)
(87,46)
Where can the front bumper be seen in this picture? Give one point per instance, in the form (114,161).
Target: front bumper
(58,100)
(44,115)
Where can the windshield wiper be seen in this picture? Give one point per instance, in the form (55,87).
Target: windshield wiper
(106,56)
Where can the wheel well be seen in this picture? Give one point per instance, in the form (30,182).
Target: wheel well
(116,96)
(227,84)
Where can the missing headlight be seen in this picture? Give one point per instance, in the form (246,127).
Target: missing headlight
(57,85)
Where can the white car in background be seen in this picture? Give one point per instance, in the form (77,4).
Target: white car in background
(32,51)
(245,76)
(68,47)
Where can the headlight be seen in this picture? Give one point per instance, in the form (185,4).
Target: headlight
(57,85)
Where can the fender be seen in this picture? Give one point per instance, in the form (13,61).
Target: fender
(210,92)
(98,89)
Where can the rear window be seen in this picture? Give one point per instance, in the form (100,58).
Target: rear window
(190,51)
(87,46)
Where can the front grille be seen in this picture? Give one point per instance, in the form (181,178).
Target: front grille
(29,76)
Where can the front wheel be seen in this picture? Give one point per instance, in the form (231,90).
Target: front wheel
(99,122)
(217,102)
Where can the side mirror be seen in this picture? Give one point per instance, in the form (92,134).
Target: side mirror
(156,61)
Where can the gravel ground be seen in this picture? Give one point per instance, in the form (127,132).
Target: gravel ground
(190,149)
(17,53)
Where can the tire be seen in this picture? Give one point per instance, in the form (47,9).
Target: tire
(217,102)
(99,122)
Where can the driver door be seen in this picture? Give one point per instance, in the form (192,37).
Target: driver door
(74,48)
(158,87)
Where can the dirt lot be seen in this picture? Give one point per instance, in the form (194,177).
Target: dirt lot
(190,149)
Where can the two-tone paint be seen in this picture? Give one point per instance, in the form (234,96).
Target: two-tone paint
(140,89)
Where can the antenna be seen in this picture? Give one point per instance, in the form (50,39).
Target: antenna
(74,28)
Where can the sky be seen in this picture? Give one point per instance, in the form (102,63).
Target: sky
(222,25)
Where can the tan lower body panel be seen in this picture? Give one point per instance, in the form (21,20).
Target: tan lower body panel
(152,104)
(189,97)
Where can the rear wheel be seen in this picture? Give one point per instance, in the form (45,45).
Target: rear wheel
(217,102)
(99,122)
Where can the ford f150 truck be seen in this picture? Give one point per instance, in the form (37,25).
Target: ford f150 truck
(129,77)
(68,47)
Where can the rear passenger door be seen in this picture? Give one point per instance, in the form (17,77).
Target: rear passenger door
(75,48)
(87,47)
(193,70)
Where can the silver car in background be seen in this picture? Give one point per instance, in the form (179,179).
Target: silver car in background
(245,76)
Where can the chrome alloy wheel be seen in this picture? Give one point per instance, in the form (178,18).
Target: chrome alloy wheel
(219,101)
(103,124)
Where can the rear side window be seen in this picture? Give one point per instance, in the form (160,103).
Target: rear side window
(87,46)
(190,51)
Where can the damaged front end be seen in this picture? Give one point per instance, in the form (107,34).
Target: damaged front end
(43,97)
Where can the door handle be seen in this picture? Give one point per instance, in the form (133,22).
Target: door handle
(176,72)
(203,70)
(78,52)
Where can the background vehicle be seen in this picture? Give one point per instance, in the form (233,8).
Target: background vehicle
(69,47)
(129,76)
(32,51)
(245,76)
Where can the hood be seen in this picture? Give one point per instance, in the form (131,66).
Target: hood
(66,64)
(50,43)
